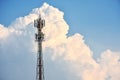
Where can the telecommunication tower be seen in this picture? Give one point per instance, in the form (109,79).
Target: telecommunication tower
(39,36)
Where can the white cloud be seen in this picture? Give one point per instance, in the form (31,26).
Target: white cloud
(3,31)
(110,62)
(71,53)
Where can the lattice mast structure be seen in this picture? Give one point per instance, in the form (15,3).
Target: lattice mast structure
(39,36)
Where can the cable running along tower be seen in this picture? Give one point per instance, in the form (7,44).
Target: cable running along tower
(39,36)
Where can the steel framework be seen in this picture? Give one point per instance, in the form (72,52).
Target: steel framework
(39,36)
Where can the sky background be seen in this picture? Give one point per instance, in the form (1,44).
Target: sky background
(97,21)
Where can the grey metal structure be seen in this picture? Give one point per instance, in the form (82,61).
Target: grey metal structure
(39,36)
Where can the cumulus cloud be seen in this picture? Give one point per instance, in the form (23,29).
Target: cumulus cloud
(3,31)
(70,57)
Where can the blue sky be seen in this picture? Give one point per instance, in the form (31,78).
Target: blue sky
(97,21)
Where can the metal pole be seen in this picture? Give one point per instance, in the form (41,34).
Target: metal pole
(39,23)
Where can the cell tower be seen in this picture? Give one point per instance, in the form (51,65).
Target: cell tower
(39,36)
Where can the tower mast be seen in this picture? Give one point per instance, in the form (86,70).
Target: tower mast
(39,36)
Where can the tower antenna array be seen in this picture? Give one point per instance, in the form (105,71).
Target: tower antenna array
(39,36)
